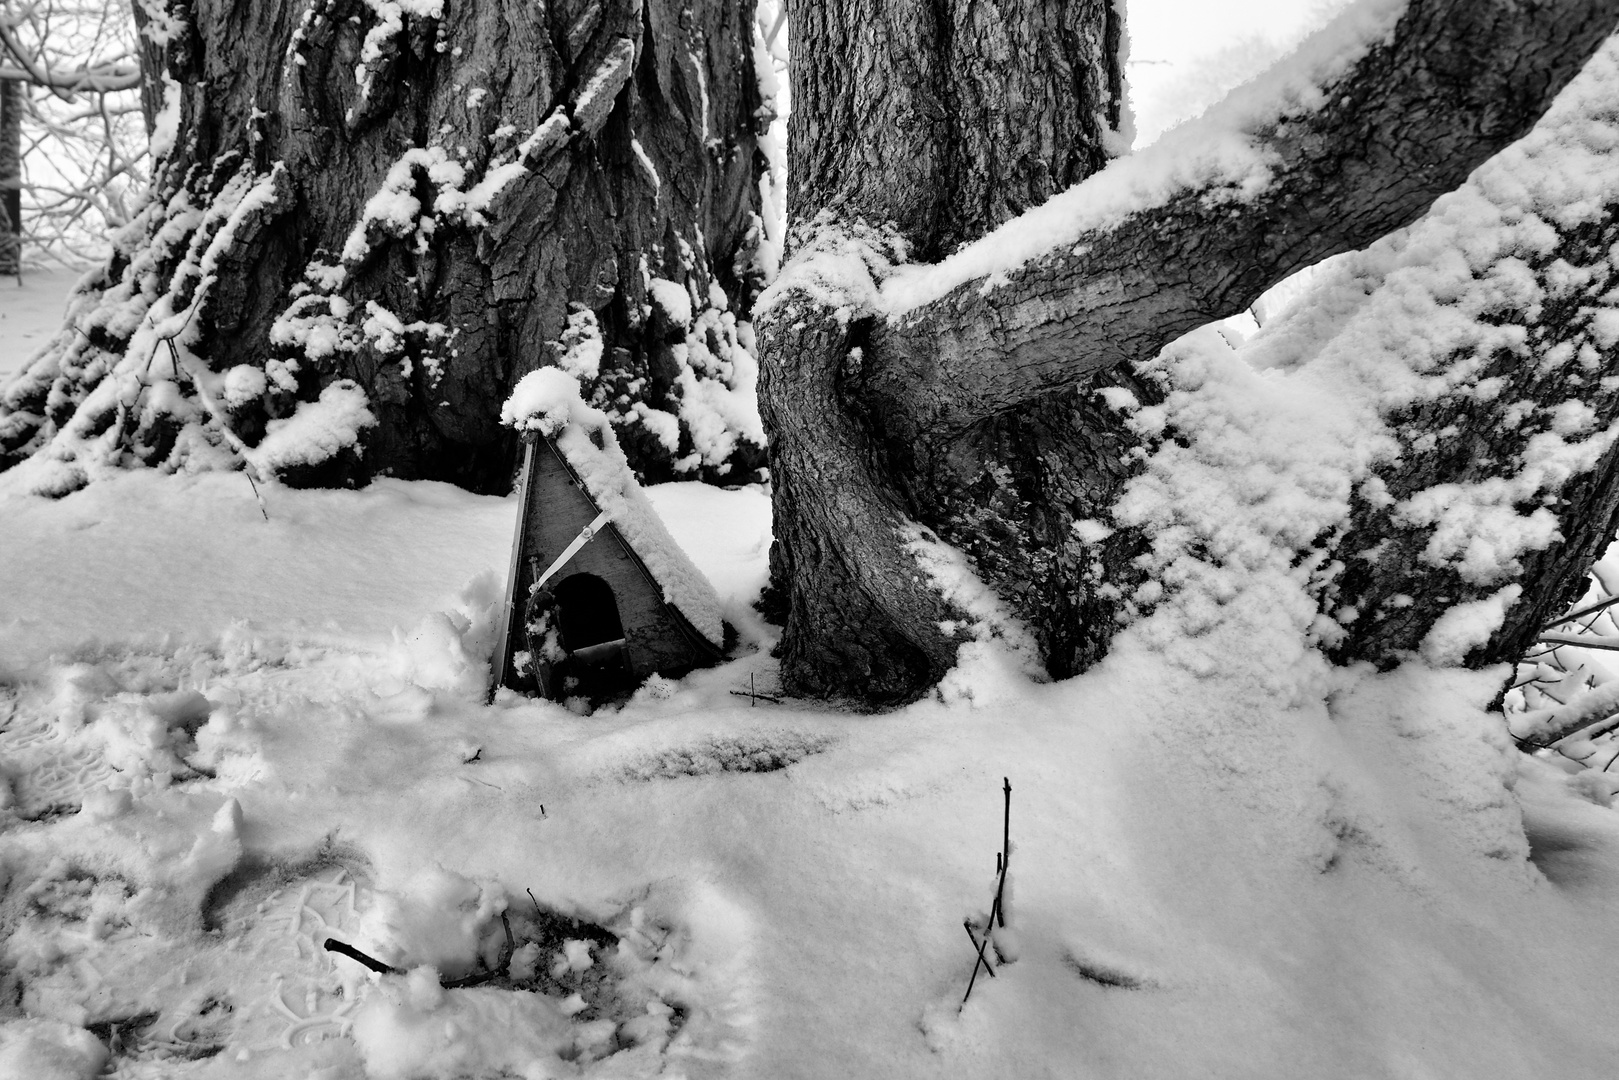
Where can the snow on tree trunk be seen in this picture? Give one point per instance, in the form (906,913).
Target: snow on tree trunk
(374,216)
(1501,487)
(987,399)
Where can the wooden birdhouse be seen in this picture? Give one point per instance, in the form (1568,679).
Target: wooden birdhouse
(598,596)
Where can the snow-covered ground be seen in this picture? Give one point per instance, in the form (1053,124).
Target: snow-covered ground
(30,314)
(225,740)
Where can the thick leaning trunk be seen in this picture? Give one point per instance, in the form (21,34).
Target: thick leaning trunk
(971,115)
(418,201)
(841,533)
(977,413)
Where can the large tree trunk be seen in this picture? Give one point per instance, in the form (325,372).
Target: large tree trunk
(982,412)
(948,119)
(976,113)
(420,201)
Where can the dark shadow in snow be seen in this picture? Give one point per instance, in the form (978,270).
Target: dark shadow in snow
(263,876)
(1571,821)
(1102,974)
(119,1036)
(44,815)
(1569,858)
(138,1037)
(750,753)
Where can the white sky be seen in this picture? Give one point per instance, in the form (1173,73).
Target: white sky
(1178,30)
(1176,47)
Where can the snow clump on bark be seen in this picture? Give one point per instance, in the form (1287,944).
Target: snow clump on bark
(1289,467)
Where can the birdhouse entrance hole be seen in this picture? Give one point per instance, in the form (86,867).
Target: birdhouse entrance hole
(592,633)
(587,612)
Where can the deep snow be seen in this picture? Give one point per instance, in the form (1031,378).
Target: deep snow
(30,314)
(1291,873)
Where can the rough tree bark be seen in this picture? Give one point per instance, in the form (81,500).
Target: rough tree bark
(974,114)
(422,200)
(1397,575)
(974,415)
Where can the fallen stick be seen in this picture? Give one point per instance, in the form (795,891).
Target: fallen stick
(753,694)
(343,947)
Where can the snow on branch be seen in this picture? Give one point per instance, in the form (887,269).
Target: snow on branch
(1414,457)
(1566,693)
(1384,110)
(74,74)
(37,61)
(100,80)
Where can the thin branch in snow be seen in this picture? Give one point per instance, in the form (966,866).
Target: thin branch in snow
(997,910)
(1006,851)
(1596,608)
(967,925)
(1583,641)
(344,948)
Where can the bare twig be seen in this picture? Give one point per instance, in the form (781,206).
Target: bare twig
(967,925)
(775,27)
(344,948)
(1006,850)
(1600,605)
(1582,641)
(84,139)
(478,978)
(762,696)
(754,694)
(997,910)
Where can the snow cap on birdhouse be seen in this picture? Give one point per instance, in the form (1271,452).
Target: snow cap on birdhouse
(600,596)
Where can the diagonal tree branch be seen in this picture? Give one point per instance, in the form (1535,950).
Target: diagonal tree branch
(100,80)
(1455,82)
